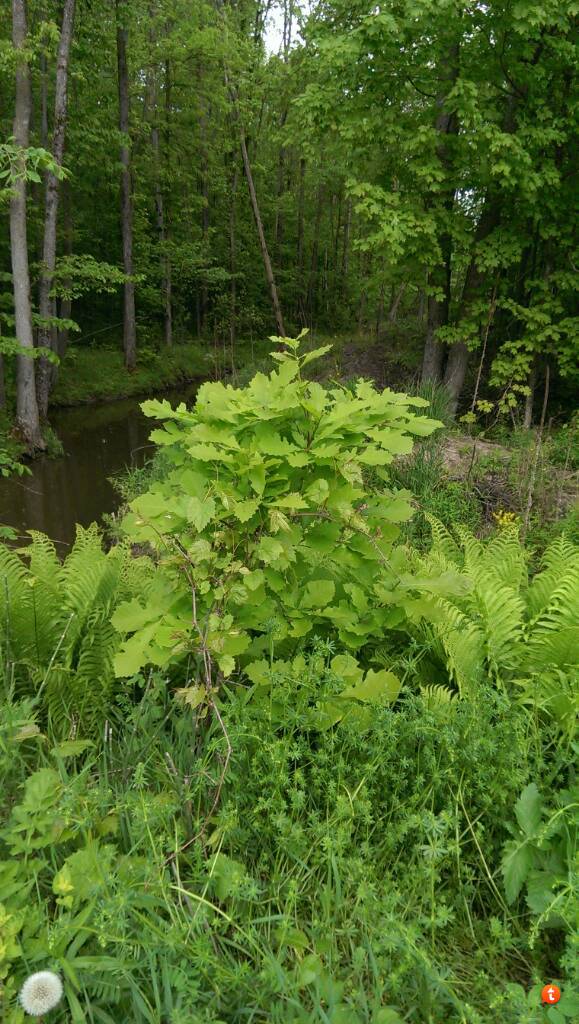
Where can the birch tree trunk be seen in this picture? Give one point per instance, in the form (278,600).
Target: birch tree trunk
(129,321)
(27,418)
(46,334)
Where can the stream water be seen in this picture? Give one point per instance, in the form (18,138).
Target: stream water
(99,441)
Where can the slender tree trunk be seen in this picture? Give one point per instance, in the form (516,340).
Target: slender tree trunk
(168,263)
(313,275)
(433,351)
(204,182)
(393,311)
(529,400)
(278,228)
(300,253)
(446,124)
(65,310)
(256,213)
(262,242)
(536,453)
(129,319)
(233,267)
(379,313)
(43,101)
(458,356)
(47,334)
(2,384)
(364,274)
(27,418)
(160,201)
(346,250)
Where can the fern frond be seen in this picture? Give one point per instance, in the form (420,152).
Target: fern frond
(505,557)
(560,559)
(463,643)
(472,549)
(15,603)
(437,696)
(562,608)
(443,543)
(499,612)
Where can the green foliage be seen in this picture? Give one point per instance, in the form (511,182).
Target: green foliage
(344,870)
(97,374)
(265,529)
(480,614)
(454,502)
(76,275)
(17,164)
(56,637)
(542,858)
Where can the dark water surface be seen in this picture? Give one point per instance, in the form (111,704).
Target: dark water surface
(99,441)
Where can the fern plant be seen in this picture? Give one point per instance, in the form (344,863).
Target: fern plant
(56,637)
(473,604)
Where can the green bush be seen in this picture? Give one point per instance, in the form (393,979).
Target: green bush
(266,529)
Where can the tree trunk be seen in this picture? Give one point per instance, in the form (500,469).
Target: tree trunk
(27,418)
(529,400)
(343,286)
(129,320)
(393,312)
(168,264)
(256,213)
(262,242)
(433,351)
(65,310)
(445,124)
(2,384)
(46,333)
(300,253)
(160,202)
(313,275)
(536,453)
(458,356)
(278,228)
(202,297)
(233,267)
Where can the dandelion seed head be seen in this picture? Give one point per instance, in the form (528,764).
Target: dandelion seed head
(40,993)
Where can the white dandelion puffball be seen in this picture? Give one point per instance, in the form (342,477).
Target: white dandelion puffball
(40,993)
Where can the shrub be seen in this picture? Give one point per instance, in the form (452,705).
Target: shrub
(266,529)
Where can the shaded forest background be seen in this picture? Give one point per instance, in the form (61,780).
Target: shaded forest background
(406,163)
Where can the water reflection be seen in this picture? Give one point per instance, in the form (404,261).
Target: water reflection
(98,441)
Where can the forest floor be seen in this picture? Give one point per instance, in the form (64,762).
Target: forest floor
(98,374)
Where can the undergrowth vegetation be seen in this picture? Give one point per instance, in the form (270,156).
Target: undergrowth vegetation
(280,756)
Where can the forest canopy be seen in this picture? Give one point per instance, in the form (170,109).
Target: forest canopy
(216,170)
